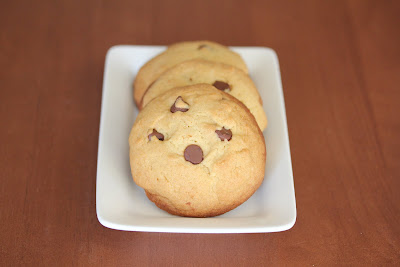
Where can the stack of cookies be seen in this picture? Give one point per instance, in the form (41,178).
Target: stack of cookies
(197,147)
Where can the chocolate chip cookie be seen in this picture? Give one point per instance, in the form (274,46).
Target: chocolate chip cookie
(223,77)
(197,151)
(178,53)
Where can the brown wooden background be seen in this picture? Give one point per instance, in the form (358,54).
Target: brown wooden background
(341,78)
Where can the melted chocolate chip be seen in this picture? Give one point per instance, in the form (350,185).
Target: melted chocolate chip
(160,136)
(224,134)
(193,154)
(201,46)
(221,85)
(179,105)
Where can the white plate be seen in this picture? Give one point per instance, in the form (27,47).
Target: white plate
(122,205)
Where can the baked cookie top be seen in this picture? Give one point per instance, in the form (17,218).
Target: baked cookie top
(197,151)
(224,77)
(178,53)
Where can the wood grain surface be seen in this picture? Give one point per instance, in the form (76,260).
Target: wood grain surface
(340,63)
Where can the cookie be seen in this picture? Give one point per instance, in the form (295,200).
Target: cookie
(178,53)
(224,77)
(197,151)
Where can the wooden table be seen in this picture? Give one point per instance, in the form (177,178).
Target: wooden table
(341,78)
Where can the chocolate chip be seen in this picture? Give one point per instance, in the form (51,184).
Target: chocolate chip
(201,46)
(160,136)
(193,154)
(221,85)
(179,105)
(224,134)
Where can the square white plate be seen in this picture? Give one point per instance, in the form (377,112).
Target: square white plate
(122,205)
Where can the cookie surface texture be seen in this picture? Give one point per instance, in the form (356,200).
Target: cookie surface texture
(197,151)
(224,77)
(178,53)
